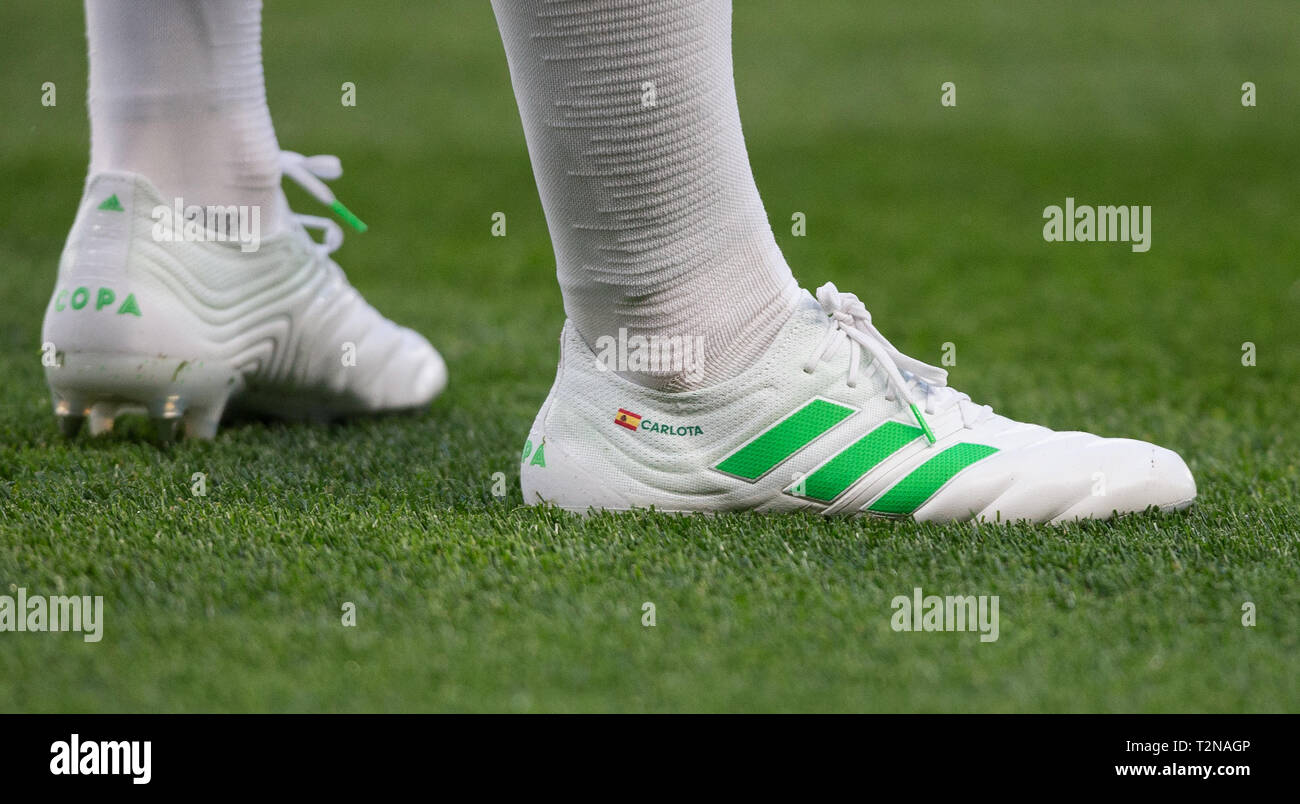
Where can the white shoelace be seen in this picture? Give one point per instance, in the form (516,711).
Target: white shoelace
(308,172)
(919,385)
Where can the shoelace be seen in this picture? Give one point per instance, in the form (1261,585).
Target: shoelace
(308,172)
(917,384)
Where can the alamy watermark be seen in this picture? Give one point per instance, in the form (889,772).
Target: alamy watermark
(951,613)
(53,613)
(1104,224)
(654,354)
(231,223)
(77,757)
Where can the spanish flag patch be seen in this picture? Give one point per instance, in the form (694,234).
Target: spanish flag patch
(628,419)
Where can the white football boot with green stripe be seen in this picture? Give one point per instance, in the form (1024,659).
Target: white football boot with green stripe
(832,419)
(181,323)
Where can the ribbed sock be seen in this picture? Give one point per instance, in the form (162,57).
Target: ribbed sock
(629,110)
(177,94)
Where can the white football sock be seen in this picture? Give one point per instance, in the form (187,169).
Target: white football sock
(629,109)
(177,95)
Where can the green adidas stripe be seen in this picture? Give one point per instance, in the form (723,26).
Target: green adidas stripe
(828,481)
(784,439)
(909,493)
(846,467)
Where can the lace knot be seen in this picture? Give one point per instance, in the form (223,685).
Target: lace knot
(310,173)
(919,385)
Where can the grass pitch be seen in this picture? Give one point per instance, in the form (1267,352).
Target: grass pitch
(467,601)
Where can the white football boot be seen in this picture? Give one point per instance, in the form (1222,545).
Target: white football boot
(831,419)
(175,323)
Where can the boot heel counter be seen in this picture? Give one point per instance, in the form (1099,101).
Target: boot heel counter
(554,472)
(532,461)
(100,240)
(92,286)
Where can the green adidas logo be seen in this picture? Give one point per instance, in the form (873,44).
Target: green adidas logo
(780,442)
(112,204)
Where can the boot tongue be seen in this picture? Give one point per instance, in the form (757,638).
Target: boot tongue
(808,312)
(806,301)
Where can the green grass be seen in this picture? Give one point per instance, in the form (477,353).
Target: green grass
(470,602)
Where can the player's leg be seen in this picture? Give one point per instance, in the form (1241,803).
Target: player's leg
(693,375)
(631,121)
(177,95)
(186,282)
